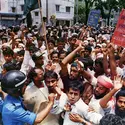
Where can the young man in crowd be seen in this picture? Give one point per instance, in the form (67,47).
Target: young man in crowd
(36,94)
(71,103)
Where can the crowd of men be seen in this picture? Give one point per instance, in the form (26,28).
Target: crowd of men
(67,76)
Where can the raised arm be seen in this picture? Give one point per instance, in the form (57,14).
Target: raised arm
(117,85)
(67,59)
(105,61)
(41,115)
(112,61)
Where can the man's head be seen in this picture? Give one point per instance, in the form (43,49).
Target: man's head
(51,43)
(111,119)
(74,38)
(120,103)
(36,75)
(104,84)
(62,55)
(8,54)
(87,51)
(38,58)
(60,44)
(51,80)
(20,56)
(74,72)
(13,83)
(98,68)
(74,91)
(8,66)
(55,57)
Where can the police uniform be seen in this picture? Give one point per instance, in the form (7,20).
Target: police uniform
(1,106)
(14,113)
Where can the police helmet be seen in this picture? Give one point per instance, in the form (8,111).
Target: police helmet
(13,81)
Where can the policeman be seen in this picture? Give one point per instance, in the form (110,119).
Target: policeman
(14,112)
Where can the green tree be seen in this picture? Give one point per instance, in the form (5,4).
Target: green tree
(121,4)
(84,8)
(106,8)
(88,5)
(81,13)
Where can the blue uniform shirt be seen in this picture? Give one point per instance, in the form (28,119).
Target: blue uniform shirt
(1,104)
(13,112)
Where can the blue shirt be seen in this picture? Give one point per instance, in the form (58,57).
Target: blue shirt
(13,112)
(1,104)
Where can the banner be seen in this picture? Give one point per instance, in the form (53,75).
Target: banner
(93,18)
(118,37)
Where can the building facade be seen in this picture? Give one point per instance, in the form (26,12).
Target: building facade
(11,12)
(57,12)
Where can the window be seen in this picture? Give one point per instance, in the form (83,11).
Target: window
(68,9)
(36,13)
(22,7)
(13,9)
(57,8)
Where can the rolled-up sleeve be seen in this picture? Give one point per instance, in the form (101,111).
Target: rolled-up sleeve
(22,115)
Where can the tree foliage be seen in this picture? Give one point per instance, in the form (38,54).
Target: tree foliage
(106,7)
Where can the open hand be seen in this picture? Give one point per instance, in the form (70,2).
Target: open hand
(118,83)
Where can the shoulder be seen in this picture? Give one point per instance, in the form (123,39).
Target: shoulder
(81,105)
(11,104)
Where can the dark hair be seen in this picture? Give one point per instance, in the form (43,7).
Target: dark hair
(4,38)
(111,119)
(33,73)
(8,51)
(21,52)
(9,66)
(88,62)
(88,48)
(61,40)
(120,93)
(117,57)
(50,74)
(51,40)
(54,52)
(99,61)
(40,38)
(75,85)
(33,49)
(62,52)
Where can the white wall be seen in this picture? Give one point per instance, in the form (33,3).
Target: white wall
(4,6)
(61,15)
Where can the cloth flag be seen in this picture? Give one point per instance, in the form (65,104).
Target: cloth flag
(29,5)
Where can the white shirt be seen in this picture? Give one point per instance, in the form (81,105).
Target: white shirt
(94,103)
(79,107)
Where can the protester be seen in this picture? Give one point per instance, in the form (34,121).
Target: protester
(71,103)
(118,107)
(36,94)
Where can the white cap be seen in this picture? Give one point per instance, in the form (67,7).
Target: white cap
(86,42)
(90,38)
